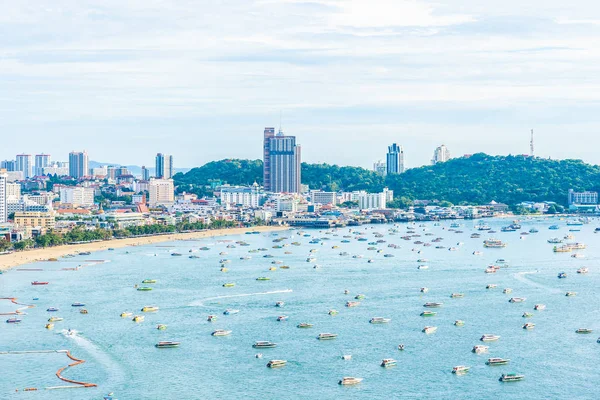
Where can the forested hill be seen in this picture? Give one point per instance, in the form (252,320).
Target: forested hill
(477,179)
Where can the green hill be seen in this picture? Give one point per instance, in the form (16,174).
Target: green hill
(477,179)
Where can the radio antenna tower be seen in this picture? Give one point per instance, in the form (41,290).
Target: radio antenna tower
(531,144)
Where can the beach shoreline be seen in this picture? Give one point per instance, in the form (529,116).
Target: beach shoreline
(8,261)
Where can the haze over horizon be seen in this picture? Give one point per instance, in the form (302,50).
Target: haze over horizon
(127,79)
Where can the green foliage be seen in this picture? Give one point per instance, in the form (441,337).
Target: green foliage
(5,245)
(334,178)
(232,171)
(24,244)
(482,178)
(402,202)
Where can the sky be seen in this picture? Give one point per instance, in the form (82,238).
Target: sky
(125,79)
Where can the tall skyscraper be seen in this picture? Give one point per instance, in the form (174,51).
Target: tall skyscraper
(78,164)
(395,159)
(145,173)
(441,154)
(268,135)
(164,166)
(25,165)
(283,167)
(8,165)
(41,161)
(3,197)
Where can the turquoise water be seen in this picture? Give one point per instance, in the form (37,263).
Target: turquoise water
(121,357)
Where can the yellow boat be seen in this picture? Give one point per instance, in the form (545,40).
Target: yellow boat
(126,314)
(285,267)
(273,269)
(138,318)
(49,326)
(149,309)
(228,284)
(224,269)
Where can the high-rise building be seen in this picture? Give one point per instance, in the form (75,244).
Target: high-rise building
(441,154)
(3,197)
(8,165)
(164,166)
(284,164)
(380,168)
(145,173)
(25,165)
(395,159)
(41,161)
(161,191)
(78,164)
(268,135)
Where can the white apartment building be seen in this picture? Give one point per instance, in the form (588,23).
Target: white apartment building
(3,195)
(324,198)
(162,192)
(247,196)
(372,201)
(77,196)
(56,169)
(13,192)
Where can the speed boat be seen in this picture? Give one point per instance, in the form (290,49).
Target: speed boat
(276,363)
(512,377)
(388,362)
(497,361)
(348,380)
(489,338)
(167,344)
(327,336)
(460,369)
(264,344)
(221,332)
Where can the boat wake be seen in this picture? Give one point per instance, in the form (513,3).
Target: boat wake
(200,303)
(521,277)
(115,373)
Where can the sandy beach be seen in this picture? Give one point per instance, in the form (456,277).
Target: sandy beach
(8,261)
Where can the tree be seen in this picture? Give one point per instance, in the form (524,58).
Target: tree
(5,245)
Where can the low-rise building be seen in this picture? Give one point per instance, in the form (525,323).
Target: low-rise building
(34,220)
(372,201)
(77,196)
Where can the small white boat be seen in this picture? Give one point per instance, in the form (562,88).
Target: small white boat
(221,332)
(507,291)
(491,286)
(348,380)
(276,363)
(347,357)
(424,290)
(479,349)
(489,338)
(379,320)
(429,329)
(571,294)
(460,369)
(388,362)
(539,307)
(582,270)
(529,326)
(517,299)
(230,311)
(327,336)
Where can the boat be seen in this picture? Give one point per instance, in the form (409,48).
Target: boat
(539,307)
(388,362)
(276,363)
(429,329)
(221,332)
(529,326)
(479,349)
(347,357)
(512,377)
(527,315)
(490,270)
(555,241)
(126,314)
(149,309)
(517,299)
(562,275)
(166,344)
(497,361)
(359,297)
(533,230)
(553,227)
(228,284)
(78,305)
(562,249)
(138,318)
(176,254)
(55,319)
(577,255)
(38,283)
(304,325)
(433,305)
(491,286)
(349,380)
(230,311)
(211,318)
(333,312)
(460,369)
(423,267)
(282,318)
(13,321)
(428,314)
(379,320)
(52,309)
(161,327)
(264,345)
(489,338)
(279,304)
(459,322)
(424,290)
(149,281)
(83,311)
(263,278)
(457,295)
(49,326)
(144,289)
(327,336)
(571,294)
(350,304)
(507,291)
(477,253)
(494,244)
(582,270)
(584,330)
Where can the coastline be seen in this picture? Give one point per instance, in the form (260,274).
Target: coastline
(8,261)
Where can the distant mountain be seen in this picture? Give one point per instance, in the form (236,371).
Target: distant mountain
(134,169)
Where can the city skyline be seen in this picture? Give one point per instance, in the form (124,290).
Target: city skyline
(477,77)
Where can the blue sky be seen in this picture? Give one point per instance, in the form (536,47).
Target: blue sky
(201,79)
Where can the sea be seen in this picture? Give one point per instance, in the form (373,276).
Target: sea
(121,357)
